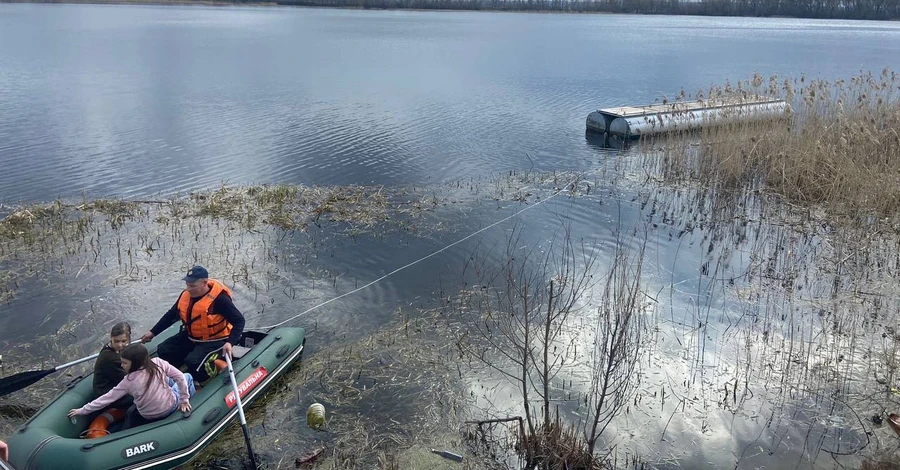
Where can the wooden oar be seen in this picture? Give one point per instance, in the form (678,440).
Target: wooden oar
(23,379)
(237,398)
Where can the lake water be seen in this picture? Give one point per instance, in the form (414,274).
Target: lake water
(140,101)
(134,101)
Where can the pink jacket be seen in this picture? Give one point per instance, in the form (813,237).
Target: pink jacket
(156,402)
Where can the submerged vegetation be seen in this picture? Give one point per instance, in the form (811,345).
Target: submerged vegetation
(390,397)
(31,238)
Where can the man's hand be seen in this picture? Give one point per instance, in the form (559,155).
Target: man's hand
(226,348)
(4,451)
(184,407)
(73,412)
(148,336)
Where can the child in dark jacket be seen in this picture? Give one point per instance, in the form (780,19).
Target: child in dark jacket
(108,372)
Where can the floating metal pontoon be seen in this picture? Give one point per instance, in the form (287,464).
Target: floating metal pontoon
(632,122)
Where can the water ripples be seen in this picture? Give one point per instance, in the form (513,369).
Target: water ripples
(381,98)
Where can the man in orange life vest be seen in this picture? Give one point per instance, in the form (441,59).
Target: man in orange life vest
(210,321)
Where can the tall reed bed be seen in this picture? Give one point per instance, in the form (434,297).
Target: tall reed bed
(837,148)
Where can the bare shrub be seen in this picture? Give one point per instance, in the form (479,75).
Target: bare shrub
(617,342)
(528,329)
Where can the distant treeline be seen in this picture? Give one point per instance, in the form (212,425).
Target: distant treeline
(835,9)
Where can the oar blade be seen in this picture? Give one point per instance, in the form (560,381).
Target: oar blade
(21,380)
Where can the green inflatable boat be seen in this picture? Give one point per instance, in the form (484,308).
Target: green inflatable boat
(50,441)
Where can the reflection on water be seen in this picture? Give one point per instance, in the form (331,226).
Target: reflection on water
(772,337)
(771,333)
(606,141)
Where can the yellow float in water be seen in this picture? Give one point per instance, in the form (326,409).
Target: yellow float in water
(315,416)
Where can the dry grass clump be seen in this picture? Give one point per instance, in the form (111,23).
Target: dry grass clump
(31,236)
(59,221)
(22,221)
(293,207)
(559,447)
(882,459)
(879,465)
(840,149)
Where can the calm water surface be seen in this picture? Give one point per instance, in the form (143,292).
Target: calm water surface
(137,101)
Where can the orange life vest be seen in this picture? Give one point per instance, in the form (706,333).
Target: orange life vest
(201,323)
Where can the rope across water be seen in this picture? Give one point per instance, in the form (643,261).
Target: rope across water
(563,189)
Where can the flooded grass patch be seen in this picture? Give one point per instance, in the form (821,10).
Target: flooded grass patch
(390,398)
(788,321)
(89,233)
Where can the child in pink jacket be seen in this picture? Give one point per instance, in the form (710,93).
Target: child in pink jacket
(158,388)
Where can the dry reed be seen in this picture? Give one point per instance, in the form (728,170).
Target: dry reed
(839,149)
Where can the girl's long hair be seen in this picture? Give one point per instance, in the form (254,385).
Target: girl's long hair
(140,359)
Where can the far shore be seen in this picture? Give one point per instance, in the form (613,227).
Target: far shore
(687,8)
(213,3)
(219,3)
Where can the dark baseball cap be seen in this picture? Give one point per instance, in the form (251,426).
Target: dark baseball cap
(197,272)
